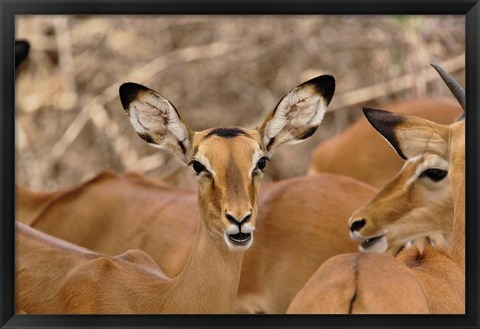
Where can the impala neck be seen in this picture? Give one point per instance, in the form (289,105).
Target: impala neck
(457,244)
(209,281)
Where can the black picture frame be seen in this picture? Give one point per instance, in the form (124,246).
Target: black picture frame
(10,8)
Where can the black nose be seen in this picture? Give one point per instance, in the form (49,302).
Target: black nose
(358,224)
(234,220)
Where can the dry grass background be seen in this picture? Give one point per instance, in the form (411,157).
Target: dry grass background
(217,71)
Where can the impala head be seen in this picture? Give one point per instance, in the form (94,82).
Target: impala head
(228,162)
(418,200)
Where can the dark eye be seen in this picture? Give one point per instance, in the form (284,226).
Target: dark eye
(198,167)
(262,163)
(434,174)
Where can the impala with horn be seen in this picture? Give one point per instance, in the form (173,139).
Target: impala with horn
(433,280)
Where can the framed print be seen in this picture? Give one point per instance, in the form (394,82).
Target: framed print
(239,164)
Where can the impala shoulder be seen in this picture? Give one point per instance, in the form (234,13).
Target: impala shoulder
(140,259)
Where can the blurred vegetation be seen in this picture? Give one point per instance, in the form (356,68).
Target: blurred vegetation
(217,71)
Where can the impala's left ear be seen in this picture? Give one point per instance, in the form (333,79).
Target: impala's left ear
(298,114)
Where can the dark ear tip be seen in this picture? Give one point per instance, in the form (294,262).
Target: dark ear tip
(378,117)
(371,113)
(128,92)
(325,85)
(385,122)
(367,110)
(22,48)
(24,45)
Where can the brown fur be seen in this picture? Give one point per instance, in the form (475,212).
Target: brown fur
(228,176)
(457,179)
(54,276)
(440,273)
(357,284)
(381,284)
(30,204)
(403,211)
(194,290)
(377,163)
(441,279)
(135,211)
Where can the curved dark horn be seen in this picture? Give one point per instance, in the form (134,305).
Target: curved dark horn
(452,84)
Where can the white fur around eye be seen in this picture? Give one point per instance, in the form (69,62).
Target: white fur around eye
(204,161)
(430,161)
(256,156)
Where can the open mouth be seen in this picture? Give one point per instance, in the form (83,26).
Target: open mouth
(369,243)
(240,238)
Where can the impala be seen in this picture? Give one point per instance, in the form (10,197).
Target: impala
(55,276)
(436,273)
(301,223)
(417,202)
(228,163)
(362,283)
(376,164)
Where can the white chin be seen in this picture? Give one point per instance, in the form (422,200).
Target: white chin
(380,246)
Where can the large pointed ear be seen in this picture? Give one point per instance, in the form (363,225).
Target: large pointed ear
(298,114)
(155,119)
(410,136)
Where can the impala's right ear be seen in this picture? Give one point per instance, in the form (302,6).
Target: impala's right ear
(410,136)
(155,119)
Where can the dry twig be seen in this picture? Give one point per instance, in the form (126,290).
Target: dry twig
(96,107)
(396,85)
